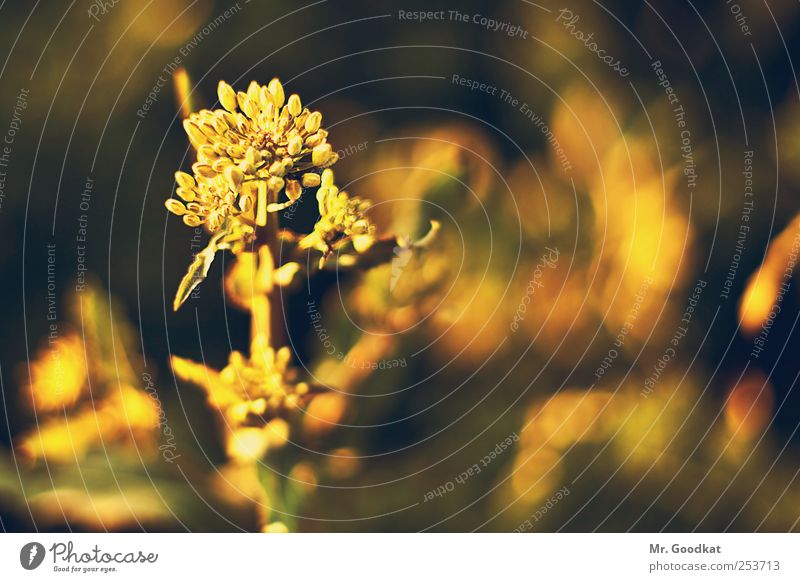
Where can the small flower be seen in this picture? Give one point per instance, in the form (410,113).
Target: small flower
(254,396)
(259,144)
(249,392)
(342,219)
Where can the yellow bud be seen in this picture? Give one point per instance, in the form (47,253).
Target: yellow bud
(311,180)
(276,89)
(314,140)
(275,402)
(283,276)
(295,145)
(321,154)
(265,98)
(197,137)
(292,401)
(313,122)
(235,151)
(220,125)
(253,90)
(248,107)
(227,96)
(192,220)
(214,221)
(251,108)
(327,178)
(247,444)
(188,194)
(238,412)
(175,207)
(332,160)
(184,180)
(295,107)
(362,242)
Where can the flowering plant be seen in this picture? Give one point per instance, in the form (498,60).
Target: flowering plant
(257,156)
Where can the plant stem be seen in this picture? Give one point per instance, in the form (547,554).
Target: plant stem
(265,329)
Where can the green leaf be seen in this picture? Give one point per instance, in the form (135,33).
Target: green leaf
(198,270)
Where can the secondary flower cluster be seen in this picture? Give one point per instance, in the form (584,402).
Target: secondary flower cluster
(254,397)
(249,391)
(342,218)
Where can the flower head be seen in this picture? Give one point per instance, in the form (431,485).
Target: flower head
(249,391)
(259,144)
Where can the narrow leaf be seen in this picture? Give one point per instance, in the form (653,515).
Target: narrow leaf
(197,271)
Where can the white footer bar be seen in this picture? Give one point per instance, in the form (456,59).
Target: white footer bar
(406,557)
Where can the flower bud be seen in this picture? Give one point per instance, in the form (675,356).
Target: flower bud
(313,122)
(311,180)
(276,89)
(295,106)
(227,96)
(321,154)
(295,145)
(175,207)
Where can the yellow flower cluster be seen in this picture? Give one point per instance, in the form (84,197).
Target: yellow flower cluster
(249,392)
(68,424)
(253,395)
(259,144)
